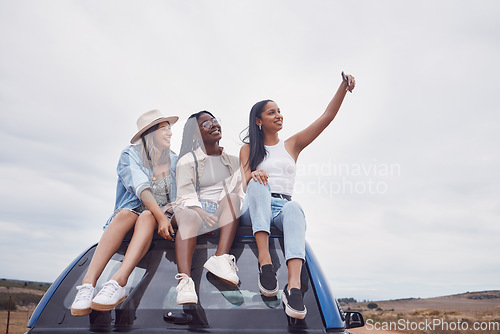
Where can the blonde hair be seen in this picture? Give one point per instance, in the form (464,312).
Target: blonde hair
(149,151)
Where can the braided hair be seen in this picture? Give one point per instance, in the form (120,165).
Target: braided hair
(190,135)
(191,140)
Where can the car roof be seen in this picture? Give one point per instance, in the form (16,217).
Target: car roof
(151,294)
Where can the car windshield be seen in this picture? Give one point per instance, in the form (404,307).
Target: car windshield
(151,291)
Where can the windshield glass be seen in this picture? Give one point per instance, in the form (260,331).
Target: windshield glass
(151,290)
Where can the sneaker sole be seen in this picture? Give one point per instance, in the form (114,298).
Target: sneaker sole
(188,302)
(233,283)
(268,293)
(106,307)
(80,312)
(290,311)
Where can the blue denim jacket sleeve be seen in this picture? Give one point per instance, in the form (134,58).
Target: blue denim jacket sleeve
(131,172)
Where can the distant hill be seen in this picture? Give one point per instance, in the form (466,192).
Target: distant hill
(25,294)
(398,316)
(406,315)
(464,302)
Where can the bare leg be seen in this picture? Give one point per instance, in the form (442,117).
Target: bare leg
(138,247)
(262,240)
(189,223)
(110,241)
(294,269)
(229,210)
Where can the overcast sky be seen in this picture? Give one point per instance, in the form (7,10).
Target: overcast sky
(401,192)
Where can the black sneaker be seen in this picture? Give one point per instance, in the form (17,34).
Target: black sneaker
(268,284)
(294,303)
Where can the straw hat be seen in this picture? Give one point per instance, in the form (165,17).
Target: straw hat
(150,119)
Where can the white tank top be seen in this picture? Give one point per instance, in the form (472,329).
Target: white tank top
(281,168)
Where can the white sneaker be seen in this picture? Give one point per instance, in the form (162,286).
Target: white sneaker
(81,304)
(224,267)
(110,295)
(186,294)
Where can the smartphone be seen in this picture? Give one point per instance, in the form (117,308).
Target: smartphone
(345,79)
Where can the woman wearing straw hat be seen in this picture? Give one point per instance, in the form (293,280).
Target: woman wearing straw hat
(146,183)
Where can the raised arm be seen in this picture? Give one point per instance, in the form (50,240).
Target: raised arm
(296,143)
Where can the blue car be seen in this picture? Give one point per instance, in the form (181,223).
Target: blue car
(150,306)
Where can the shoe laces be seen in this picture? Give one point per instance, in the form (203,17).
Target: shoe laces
(183,282)
(84,292)
(109,288)
(232,261)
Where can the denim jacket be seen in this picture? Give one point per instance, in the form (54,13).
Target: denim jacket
(134,178)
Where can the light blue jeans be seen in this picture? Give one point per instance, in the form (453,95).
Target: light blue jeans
(263,211)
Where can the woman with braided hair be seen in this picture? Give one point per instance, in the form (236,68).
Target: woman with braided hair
(208,197)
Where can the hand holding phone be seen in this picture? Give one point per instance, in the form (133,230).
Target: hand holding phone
(344,77)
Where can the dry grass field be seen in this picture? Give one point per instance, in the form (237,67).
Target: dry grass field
(456,314)
(18,321)
(476,312)
(25,295)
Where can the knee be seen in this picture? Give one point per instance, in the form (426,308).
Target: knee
(124,216)
(127,214)
(146,220)
(257,187)
(232,199)
(124,220)
(293,208)
(186,215)
(146,215)
(188,218)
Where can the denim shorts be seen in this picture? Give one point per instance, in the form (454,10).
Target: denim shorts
(138,210)
(209,207)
